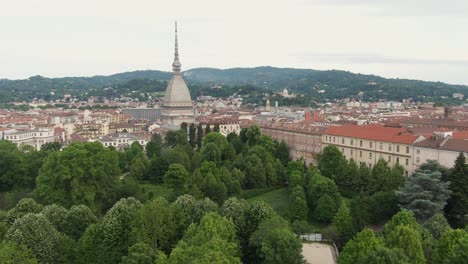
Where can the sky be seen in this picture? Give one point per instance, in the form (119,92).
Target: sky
(415,39)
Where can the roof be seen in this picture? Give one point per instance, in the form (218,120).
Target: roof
(460,135)
(177,92)
(450,144)
(373,132)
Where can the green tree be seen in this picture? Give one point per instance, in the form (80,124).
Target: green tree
(407,239)
(344,223)
(298,207)
(13,253)
(332,163)
(23,207)
(211,241)
(199,136)
(77,220)
(424,194)
(154,146)
(83,173)
(404,217)
(216,128)
(207,129)
(361,210)
(51,146)
(13,168)
(39,235)
(437,225)
(460,252)
(177,177)
(363,243)
(154,225)
(326,209)
(138,167)
(211,152)
(140,253)
(276,243)
(282,153)
(457,205)
(444,248)
(56,215)
(383,255)
(192,132)
(108,241)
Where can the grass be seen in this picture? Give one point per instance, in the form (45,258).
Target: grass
(278,199)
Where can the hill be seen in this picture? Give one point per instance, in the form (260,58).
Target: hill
(320,85)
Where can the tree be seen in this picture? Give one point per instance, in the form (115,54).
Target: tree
(77,220)
(407,239)
(13,167)
(140,253)
(424,194)
(211,152)
(457,205)
(38,234)
(276,243)
(56,215)
(138,167)
(154,146)
(23,207)
(361,210)
(383,255)
(177,177)
(326,209)
(299,210)
(192,131)
(460,252)
(154,225)
(108,241)
(404,217)
(235,141)
(51,146)
(83,173)
(207,129)
(216,128)
(332,163)
(437,225)
(282,153)
(14,253)
(344,223)
(199,136)
(361,244)
(362,182)
(444,248)
(211,241)
(184,126)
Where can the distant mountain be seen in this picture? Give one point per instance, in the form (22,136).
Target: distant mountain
(329,85)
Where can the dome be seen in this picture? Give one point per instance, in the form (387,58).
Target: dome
(177,93)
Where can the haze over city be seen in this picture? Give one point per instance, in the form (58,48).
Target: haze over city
(400,39)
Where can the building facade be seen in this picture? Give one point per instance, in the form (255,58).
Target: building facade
(369,143)
(35,138)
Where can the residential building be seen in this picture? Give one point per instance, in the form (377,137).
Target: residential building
(35,137)
(369,143)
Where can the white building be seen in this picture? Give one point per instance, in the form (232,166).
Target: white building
(35,138)
(122,140)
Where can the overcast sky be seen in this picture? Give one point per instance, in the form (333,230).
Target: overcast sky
(417,39)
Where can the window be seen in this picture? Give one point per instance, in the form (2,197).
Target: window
(397,148)
(342,141)
(417,160)
(389,147)
(398,160)
(352,142)
(381,146)
(407,150)
(370,144)
(360,143)
(360,154)
(342,150)
(333,139)
(406,173)
(389,158)
(370,155)
(351,152)
(407,162)
(418,151)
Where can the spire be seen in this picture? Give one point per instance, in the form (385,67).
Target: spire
(176,64)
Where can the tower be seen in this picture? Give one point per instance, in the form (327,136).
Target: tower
(268,107)
(177,106)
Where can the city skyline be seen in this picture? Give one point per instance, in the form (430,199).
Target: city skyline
(417,40)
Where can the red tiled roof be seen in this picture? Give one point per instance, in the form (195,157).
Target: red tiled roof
(460,135)
(373,132)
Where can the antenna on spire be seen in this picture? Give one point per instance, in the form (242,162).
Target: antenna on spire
(176,64)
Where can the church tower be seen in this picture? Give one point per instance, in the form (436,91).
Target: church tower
(177,106)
